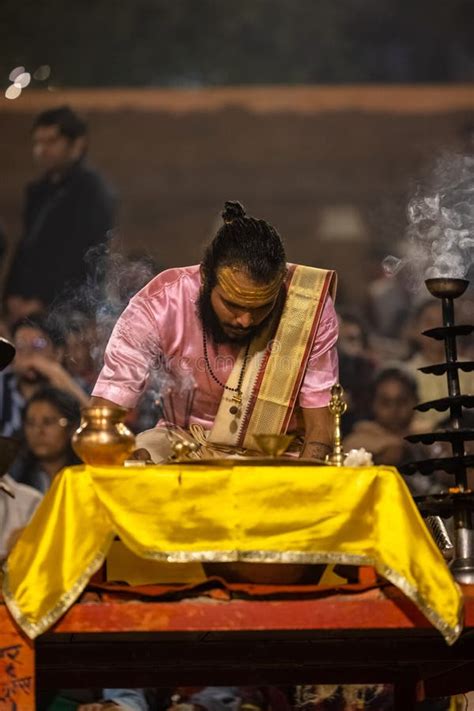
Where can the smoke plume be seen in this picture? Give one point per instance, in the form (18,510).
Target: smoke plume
(439,240)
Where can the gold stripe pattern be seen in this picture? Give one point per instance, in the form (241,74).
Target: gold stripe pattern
(289,347)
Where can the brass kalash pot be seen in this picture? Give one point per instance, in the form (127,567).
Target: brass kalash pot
(102,439)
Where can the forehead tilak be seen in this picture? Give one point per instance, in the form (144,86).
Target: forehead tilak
(256,295)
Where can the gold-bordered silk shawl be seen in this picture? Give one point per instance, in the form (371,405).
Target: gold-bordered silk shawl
(276,362)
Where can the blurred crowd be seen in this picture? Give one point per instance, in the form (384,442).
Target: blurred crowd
(65,287)
(59,332)
(57,362)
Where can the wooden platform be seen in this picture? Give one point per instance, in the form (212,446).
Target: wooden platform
(373,636)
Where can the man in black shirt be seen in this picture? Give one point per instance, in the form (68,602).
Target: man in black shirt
(68,211)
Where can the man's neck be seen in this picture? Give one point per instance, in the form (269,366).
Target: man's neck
(57,175)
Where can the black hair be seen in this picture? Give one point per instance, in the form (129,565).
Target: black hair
(401,375)
(245,242)
(69,123)
(42,323)
(66,404)
(69,408)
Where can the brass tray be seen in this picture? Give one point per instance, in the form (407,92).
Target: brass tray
(253,462)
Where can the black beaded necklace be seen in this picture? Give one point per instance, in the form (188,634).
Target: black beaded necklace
(237,397)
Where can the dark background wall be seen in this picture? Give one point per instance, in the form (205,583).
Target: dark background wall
(217,42)
(331,168)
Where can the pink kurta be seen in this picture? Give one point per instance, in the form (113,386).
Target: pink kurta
(157,342)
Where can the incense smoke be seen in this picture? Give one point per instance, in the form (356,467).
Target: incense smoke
(439,240)
(113,278)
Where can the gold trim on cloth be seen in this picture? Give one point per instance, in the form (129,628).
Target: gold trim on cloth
(209,513)
(292,341)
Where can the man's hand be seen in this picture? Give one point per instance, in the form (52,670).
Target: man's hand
(57,376)
(141,455)
(50,369)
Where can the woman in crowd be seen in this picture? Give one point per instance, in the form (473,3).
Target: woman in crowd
(394,395)
(51,416)
(356,367)
(38,363)
(429,352)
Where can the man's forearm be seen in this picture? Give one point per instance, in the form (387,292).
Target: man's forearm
(318,433)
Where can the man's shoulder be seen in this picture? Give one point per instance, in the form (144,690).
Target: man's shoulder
(171,280)
(81,177)
(26,493)
(36,185)
(90,179)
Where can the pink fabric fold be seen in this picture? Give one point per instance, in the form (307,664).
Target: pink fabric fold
(157,343)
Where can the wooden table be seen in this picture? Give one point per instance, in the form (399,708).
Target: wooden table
(373,636)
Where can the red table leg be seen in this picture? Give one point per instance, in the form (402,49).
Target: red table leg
(17,667)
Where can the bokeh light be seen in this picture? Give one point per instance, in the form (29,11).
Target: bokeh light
(23,80)
(16,73)
(42,73)
(13,91)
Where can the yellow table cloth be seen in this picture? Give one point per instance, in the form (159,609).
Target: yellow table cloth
(287,514)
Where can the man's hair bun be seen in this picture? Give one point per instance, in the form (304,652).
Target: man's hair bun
(233,210)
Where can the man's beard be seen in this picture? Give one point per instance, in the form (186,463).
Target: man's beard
(212,326)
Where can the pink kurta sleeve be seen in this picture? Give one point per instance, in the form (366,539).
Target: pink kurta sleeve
(131,352)
(322,370)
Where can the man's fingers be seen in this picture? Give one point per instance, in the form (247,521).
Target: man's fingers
(142,455)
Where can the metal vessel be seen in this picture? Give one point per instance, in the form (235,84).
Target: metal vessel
(102,439)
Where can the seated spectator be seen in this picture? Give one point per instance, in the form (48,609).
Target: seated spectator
(388,297)
(80,350)
(209,698)
(393,399)
(18,503)
(51,416)
(429,352)
(356,367)
(38,362)
(120,700)
(347,697)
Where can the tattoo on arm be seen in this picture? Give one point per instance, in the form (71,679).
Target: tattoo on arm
(316,450)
